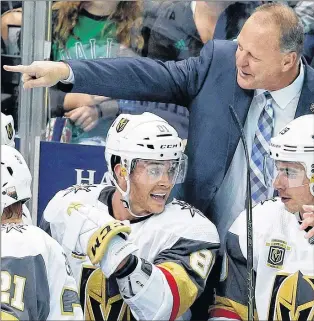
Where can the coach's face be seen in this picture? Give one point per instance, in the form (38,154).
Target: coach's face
(259,60)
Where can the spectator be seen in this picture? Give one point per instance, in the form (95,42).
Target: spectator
(305,11)
(180,29)
(9,5)
(232,19)
(266,58)
(12,42)
(10,54)
(88,30)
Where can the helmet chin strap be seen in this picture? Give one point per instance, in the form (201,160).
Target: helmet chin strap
(126,195)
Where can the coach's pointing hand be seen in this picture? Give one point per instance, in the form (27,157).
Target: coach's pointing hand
(41,73)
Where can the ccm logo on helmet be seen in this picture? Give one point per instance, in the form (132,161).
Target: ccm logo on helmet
(284,131)
(169,146)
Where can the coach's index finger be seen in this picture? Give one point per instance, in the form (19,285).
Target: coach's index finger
(19,68)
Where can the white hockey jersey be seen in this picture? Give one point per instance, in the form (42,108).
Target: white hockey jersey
(27,219)
(36,279)
(180,234)
(283,263)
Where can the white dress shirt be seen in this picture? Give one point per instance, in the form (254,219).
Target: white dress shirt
(229,201)
(70,79)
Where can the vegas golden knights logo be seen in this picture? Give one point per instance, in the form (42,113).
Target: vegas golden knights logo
(121,124)
(292,298)
(100,297)
(11,192)
(9,130)
(276,254)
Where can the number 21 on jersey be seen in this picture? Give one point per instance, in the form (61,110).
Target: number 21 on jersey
(7,282)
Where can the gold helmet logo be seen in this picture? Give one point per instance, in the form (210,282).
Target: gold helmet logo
(9,130)
(121,124)
(292,297)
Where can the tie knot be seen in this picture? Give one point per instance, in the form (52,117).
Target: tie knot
(267,95)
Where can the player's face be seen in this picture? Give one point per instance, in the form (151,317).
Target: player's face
(151,184)
(293,186)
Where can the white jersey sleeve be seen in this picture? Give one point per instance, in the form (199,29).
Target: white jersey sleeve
(182,245)
(27,219)
(64,299)
(55,215)
(36,283)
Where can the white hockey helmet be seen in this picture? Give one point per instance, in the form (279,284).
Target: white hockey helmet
(146,136)
(143,137)
(7,130)
(295,143)
(15,177)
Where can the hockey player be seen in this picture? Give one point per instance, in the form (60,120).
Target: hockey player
(7,138)
(36,280)
(154,256)
(283,253)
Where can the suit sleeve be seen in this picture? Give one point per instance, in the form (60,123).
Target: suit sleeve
(143,78)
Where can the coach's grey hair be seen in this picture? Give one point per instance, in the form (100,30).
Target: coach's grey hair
(291,28)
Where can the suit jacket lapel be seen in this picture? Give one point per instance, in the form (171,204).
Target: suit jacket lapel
(307,94)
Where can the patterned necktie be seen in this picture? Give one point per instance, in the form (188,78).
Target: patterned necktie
(260,148)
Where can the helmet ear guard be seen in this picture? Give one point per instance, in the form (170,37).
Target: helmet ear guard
(295,143)
(312,185)
(124,171)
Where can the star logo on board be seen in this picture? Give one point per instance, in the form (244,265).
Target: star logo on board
(78,187)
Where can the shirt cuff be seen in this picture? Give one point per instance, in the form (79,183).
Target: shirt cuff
(70,79)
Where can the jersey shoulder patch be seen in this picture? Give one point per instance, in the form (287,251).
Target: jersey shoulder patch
(264,214)
(81,193)
(189,222)
(79,188)
(184,206)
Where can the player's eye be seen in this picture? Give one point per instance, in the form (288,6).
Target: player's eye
(154,170)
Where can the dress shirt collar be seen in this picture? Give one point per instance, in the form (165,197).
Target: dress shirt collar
(285,95)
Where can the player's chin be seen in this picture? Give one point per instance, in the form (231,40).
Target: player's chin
(292,207)
(156,207)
